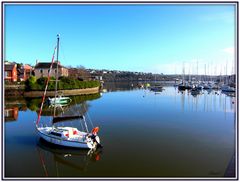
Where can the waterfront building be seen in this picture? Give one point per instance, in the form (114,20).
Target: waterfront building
(41,69)
(24,72)
(10,72)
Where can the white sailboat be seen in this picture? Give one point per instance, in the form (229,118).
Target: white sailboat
(66,136)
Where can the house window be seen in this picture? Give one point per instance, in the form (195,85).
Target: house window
(41,71)
(48,71)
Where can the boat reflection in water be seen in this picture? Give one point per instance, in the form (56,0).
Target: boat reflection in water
(64,159)
(212,101)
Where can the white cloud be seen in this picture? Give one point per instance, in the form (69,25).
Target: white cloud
(227,17)
(229,50)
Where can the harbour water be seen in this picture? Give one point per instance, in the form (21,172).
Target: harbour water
(143,133)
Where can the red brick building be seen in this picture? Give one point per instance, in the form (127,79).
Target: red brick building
(10,72)
(24,72)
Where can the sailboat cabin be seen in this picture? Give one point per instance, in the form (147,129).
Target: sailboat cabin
(42,68)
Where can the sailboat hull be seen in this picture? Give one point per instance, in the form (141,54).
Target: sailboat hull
(77,142)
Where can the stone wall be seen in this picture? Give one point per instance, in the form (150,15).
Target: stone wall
(65,92)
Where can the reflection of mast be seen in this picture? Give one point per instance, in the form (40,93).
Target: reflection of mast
(42,162)
(197,103)
(204,103)
(183,100)
(175,96)
(220,100)
(73,158)
(210,102)
(225,107)
(56,165)
(215,104)
(192,102)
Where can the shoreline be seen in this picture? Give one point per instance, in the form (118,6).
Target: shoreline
(65,92)
(34,94)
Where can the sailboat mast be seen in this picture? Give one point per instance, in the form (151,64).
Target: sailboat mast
(57,64)
(56,77)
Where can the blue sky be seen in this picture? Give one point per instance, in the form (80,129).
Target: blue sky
(146,38)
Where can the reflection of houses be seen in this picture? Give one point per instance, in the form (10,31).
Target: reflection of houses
(42,68)
(10,72)
(24,72)
(11,114)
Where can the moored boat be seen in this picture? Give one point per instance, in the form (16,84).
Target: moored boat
(227,88)
(68,137)
(65,136)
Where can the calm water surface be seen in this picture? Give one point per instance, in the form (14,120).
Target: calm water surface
(169,134)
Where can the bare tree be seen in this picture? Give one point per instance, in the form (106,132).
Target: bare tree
(79,72)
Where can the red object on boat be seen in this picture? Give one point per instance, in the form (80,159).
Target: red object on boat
(95,130)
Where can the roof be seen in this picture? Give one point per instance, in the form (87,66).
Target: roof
(46,65)
(27,66)
(9,67)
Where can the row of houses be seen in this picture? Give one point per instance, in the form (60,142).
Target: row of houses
(17,72)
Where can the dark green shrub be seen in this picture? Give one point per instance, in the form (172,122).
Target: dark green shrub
(64,83)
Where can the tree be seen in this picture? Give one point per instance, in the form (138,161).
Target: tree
(31,81)
(80,73)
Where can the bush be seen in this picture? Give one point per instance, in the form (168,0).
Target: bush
(31,81)
(64,83)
